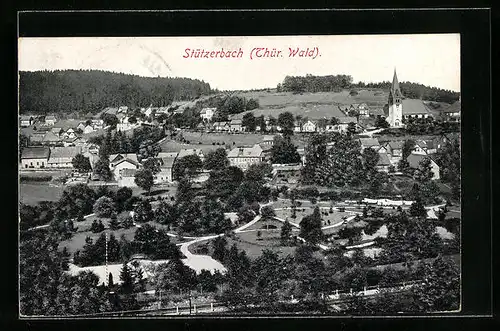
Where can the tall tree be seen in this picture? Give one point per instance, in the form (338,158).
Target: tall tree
(144,179)
(248,122)
(286,122)
(284,151)
(216,160)
(310,227)
(81,163)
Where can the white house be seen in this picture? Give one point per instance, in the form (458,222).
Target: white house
(309,126)
(207,113)
(126,177)
(35,157)
(25,120)
(50,120)
(123,164)
(243,157)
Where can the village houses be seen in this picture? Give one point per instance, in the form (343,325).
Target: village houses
(243,157)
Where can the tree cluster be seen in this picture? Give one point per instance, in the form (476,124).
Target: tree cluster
(93,90)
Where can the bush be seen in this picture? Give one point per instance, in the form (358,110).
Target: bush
(25,178)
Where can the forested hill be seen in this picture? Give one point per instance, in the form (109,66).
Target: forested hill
(336,83)
(62,91)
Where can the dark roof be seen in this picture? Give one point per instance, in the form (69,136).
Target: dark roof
(395,144)
(368,142)
(35,153)
(414,159)
(383,159)
(414,106)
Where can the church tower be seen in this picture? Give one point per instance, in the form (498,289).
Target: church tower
(395,104)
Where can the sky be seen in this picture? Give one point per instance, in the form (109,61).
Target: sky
(429,59)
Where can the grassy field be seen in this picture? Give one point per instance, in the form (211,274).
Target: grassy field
(208,141)
(250,243)
(327,217)
(33,193)
(77,241)
(374,97)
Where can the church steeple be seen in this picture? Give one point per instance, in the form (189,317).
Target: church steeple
(395,85)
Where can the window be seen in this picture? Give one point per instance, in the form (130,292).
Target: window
(37,163)
(26,165)
(31,164)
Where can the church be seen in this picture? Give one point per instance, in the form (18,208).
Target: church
(399,108)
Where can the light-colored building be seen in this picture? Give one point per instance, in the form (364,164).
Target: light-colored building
(35,157)
(115,158)
(119,166)
(62,157)
(207,113)
(235,126)
(309,126)
(126,177)
(453,112)
(50,120)
(25,120)
(425,147)
(165,174)
(243,157)
(190,151)
(383,163)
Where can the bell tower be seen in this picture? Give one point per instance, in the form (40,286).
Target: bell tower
(395,104)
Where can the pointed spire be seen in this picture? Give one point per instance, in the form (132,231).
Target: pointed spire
(395,83)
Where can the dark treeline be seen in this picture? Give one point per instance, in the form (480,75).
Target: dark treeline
(335,83)
(92,90)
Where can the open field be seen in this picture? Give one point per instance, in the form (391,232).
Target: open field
(77,241)
(248,241)
(328,219)
(374,97)
(211,141)
(33,193)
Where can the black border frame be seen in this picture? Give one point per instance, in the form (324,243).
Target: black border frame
(474,27)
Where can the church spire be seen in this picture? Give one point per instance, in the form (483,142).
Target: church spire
(395,85)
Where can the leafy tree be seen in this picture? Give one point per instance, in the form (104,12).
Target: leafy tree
(122,195)
(286,122)
(417,209)
(261,122)
(216,160)
(125,220)
(286,232)
(424,172)
(441,288)
(143,212)
(310,227)
(184,191)
(267,212)
(257,172)
(76,200)
(213,218)
(97,226)
(248,121)
(165,213)
(102,170)
(114,224)
(81,163)
(188,165)
(370,160)
(110,119)
(152,164)
(104,207)
(144,179)
(381,122)
(219,248)
(127,285)
(284,151)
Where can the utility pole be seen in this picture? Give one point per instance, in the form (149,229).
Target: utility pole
(106,280)
(189,301)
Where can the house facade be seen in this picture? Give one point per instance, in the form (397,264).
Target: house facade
(50,120)
(25,120)
(35,157)
(62,157)
(207,113)
(243,157)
